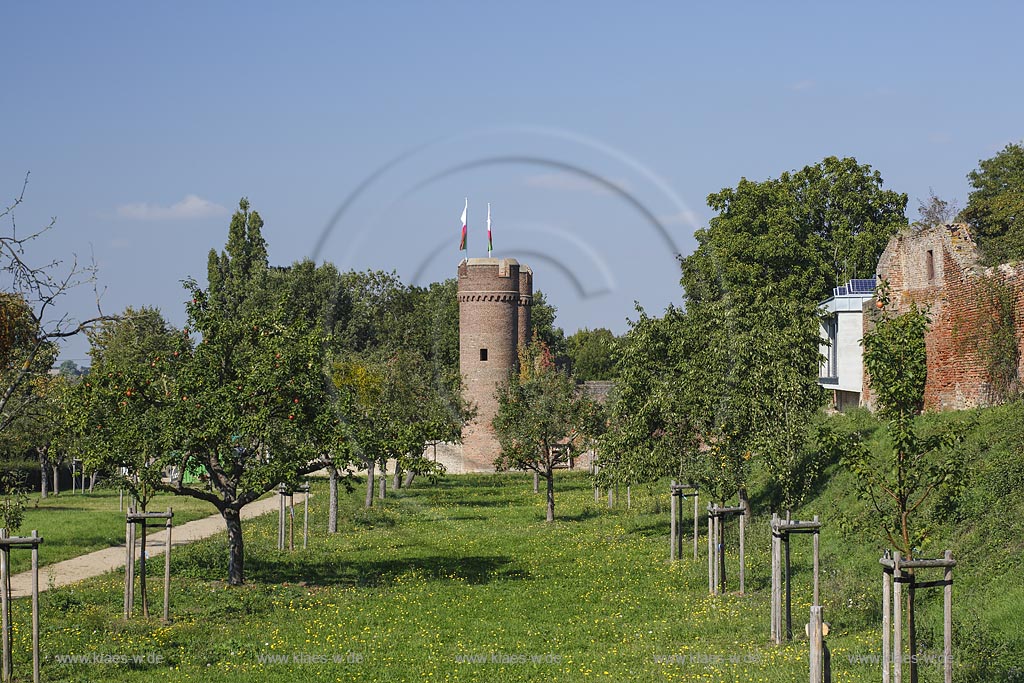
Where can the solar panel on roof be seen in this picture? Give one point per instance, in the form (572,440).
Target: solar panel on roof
(857,286)
(864,286)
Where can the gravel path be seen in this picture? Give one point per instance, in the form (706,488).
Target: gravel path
(102,561)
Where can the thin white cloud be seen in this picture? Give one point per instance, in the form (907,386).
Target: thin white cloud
(687,218)
(805,84)
(189,208)
(572,183)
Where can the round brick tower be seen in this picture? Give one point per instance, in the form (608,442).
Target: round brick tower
(525,304)
(494,318)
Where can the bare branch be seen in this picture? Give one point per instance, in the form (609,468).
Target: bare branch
(36,291)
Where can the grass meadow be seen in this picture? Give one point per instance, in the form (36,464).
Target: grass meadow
(464,581)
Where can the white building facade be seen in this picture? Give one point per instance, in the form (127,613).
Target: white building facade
(842,328)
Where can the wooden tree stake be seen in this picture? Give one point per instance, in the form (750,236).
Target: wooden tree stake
(673,530)
(167,567)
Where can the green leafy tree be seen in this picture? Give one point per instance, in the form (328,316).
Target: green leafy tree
(121,409)
(433,336)
(419,326)
(30,324)
(242,397)
(995,208)
(393,412)
(919,465)
(916,468)
(323,293)
(13,497)
(377,310)
(543,419)
(38,429)
(703,390)
(712,375)
(733,377)
(774,250)
(592,354)
(801,234)
(252,408)
(26,356)
(542,322)
(650,429)
(70,369)
(27,420)
(781,364)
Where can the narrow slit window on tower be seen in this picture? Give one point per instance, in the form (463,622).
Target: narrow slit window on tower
(930,264)
(483,354)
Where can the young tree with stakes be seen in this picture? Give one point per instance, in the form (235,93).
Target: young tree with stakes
(918,465)
(543,419)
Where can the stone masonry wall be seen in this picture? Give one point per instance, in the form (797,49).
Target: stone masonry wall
(937,268)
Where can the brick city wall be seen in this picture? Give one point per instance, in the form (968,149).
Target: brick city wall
(937,269)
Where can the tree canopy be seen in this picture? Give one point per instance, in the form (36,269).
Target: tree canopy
(239,394)
(800,234)
(995,208)
(592,354)
(542,320)
(119,413)
(731,379)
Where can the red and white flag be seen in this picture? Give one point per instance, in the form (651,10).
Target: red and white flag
(462,242)
(490,244)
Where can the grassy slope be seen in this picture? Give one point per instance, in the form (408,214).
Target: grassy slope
(468,568)
(983,524)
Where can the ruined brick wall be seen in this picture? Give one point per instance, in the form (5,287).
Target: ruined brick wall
(494,299)
(937,269)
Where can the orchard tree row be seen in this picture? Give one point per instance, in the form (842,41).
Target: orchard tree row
(730,379)
(278,372)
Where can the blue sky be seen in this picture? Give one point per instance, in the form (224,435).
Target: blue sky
(595,130)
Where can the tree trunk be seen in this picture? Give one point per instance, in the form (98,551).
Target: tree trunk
(56,480)
(44,465)
(551,495)
(236,554)
(382,481)
(409,476)
(396,478)
(332,501)
(370,467)
(536,481)
(92,481)
(744,501)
